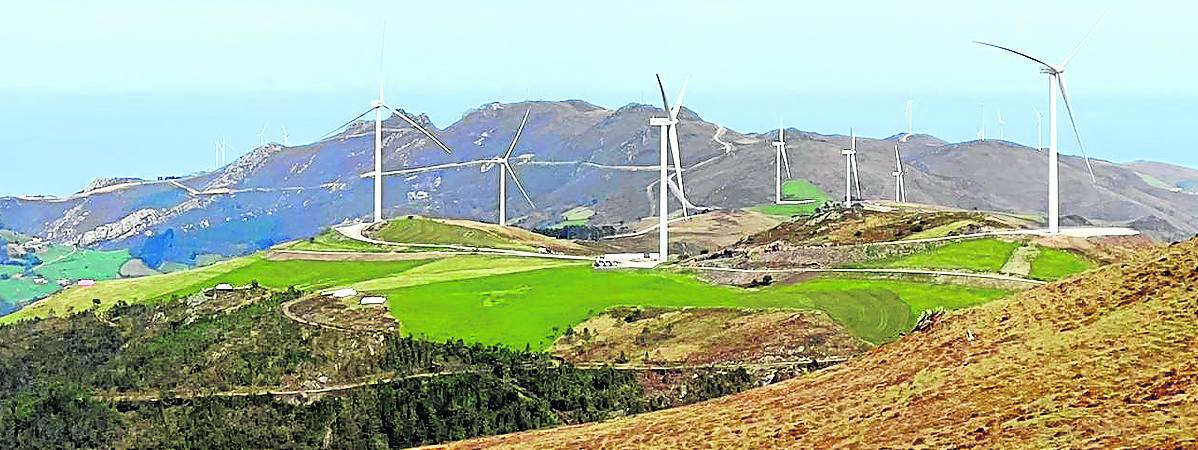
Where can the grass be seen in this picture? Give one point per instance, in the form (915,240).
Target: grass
(459,268)
(331,240)
(81,264)
(426,231)
(534,307)
(307,275)
(940,231)
(978,255)
(1154,181)
(795,190)
(1053,264)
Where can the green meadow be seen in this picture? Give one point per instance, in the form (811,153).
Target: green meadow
(305,275)
(978,255)
(1052,264)
(795,190)
(534,307)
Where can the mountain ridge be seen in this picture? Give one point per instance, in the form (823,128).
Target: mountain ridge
(571,154)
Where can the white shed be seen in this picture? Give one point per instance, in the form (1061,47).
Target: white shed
(374,300)
(342,293)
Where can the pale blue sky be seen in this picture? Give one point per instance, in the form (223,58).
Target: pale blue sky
(142,88)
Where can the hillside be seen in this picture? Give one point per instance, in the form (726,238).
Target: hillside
(572,154)
(421,230)
(1102,360)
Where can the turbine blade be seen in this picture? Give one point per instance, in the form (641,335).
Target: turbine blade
(678,101)
(665,104)
(1073,122)
(898,161)
(785,162)
(436,167)
(1025,55)
(856,176)
(346,124)
(519,186)
(418,127)
(1038,116)
(518,131)
(1084,39)
(677,160)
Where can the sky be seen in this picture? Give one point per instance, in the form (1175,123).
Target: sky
(143,88)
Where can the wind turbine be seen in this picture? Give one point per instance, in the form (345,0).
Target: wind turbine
(1039,133)
(505,170)
(1056,79)
(982,127)
(284,135)
(377,106)
(262,136)
(900,190)
(779,160)
(669,140)
(850,171)
(1001,132)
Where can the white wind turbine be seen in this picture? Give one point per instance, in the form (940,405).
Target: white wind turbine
(222,149)
(1001,131)
(262,136)
(377,107)
(285,135)
(1056,79)
(669,141)
(900,189)
(780,159)
(850,170)
(505,170)
(982,126)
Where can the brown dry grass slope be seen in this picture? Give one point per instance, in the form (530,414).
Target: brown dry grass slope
(1098,361)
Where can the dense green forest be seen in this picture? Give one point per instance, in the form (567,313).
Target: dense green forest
(173,375)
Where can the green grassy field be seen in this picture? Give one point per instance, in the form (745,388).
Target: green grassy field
(979,255)
(534,307)
(71,264)
(332,241)
(795,190)
(576,216)
(1052,264)
(426,231)
(940,231)
(308,275)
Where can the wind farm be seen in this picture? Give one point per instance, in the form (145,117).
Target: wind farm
(679,270)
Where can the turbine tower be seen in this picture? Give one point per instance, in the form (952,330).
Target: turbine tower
(850,171)
(982,127)
(900,189)
(1056,79)
(262,136)
(780,160)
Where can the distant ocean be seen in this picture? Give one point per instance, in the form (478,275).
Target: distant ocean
(55,143)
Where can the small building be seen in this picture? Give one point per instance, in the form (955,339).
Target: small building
(374,300)
(342,293)
(85,283)
(224,287)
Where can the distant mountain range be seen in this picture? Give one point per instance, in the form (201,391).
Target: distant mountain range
(571,154)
